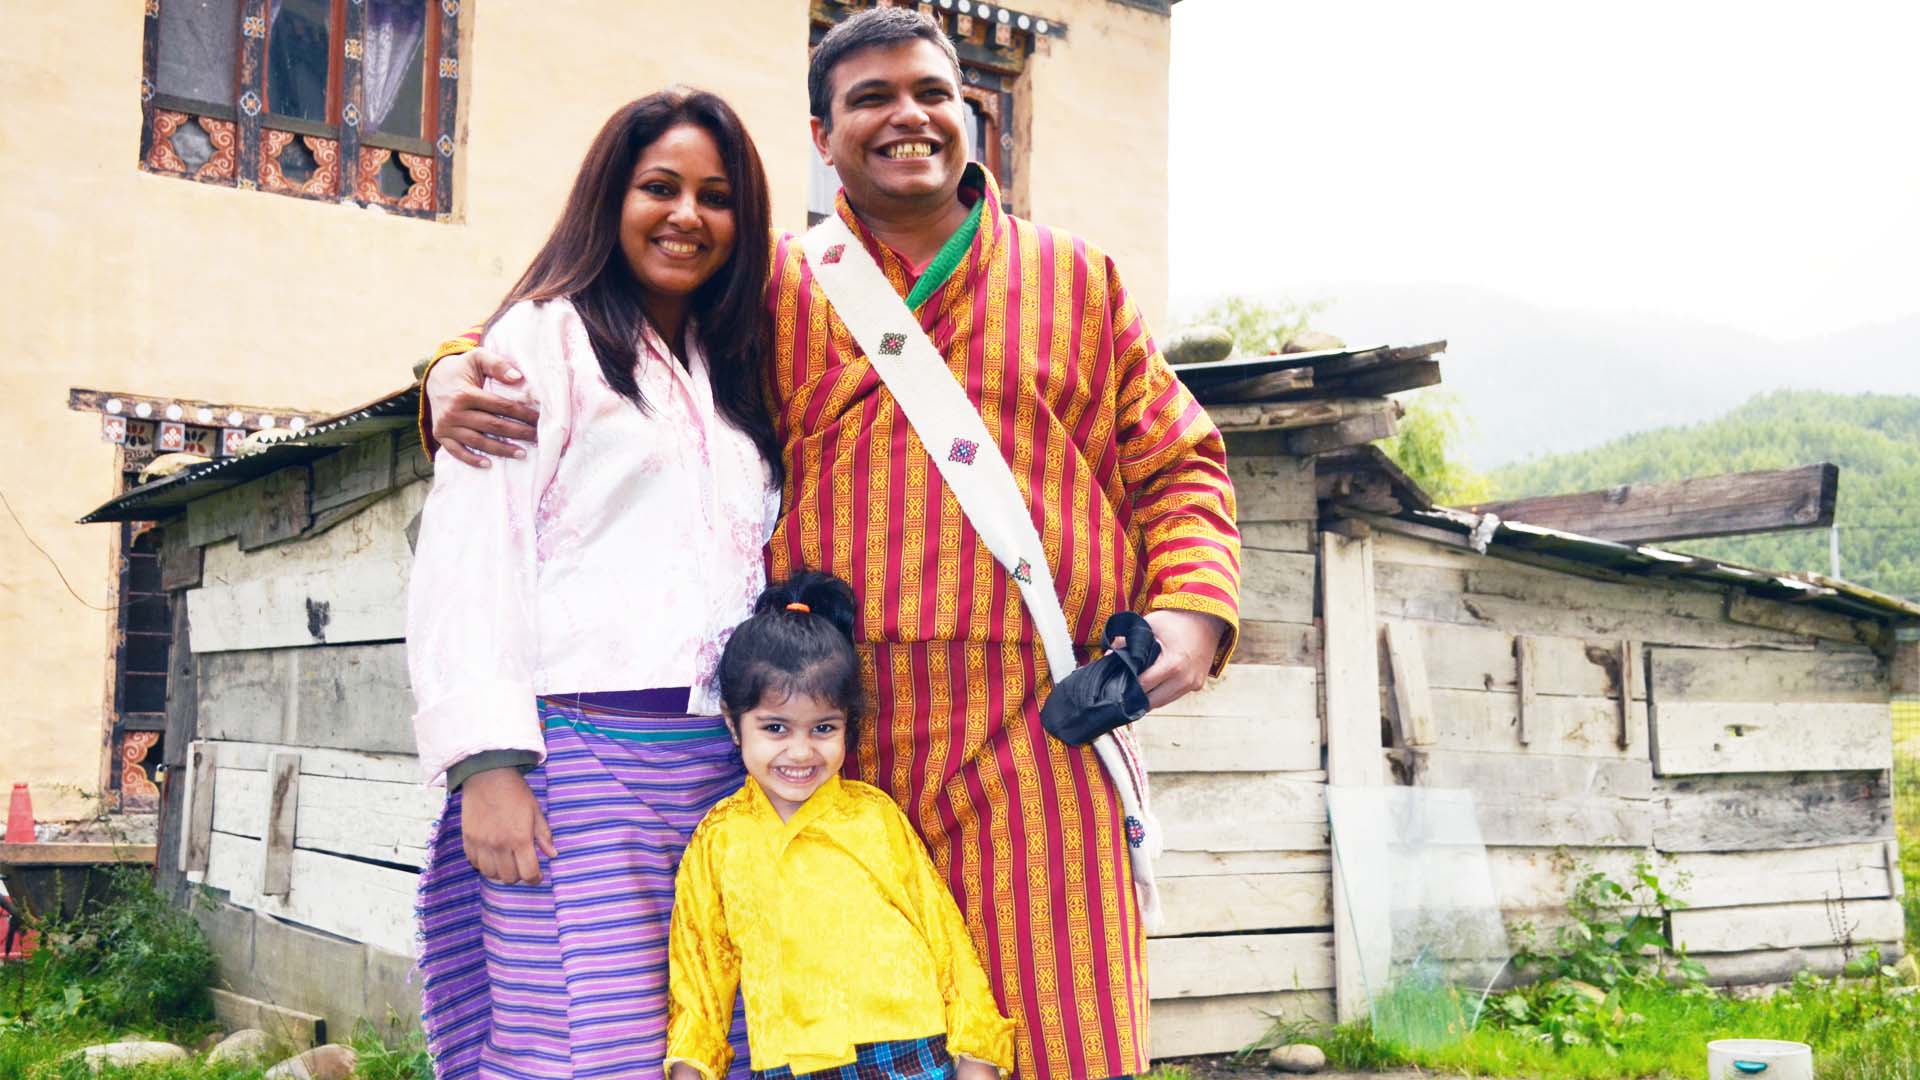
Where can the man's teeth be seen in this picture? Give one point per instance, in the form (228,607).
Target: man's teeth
(910,150)
(678,247)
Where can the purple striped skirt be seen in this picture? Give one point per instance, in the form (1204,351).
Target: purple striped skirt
(568,978)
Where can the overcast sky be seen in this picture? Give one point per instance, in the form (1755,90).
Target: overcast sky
(1751,164)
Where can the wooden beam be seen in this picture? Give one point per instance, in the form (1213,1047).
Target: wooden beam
(1353,431)
(196,837)
(1730,505)
(1361,929)
(79,854)
(1412,695)
(1525,682)
(283,798)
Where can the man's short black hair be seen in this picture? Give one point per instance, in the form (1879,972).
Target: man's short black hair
(875,28)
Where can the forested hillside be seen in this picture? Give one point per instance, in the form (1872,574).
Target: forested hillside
(1874,438)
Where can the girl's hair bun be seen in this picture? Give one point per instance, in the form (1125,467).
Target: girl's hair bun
(823,594)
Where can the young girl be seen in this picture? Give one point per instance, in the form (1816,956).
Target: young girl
(811,894)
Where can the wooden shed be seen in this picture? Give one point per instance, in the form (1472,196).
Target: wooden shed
(1599,699)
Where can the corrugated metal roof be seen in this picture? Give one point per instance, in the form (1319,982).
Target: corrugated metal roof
(1813,590)
(164,498)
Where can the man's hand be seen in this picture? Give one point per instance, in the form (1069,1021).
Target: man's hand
(966,1068)
(472,421)
(500,826)
(1188,642)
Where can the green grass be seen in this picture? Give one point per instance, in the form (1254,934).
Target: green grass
(1858,1032)
(136,967)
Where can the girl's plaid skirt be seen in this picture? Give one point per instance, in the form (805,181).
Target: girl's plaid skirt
(902,1059)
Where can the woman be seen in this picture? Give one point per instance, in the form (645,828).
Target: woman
(568,606)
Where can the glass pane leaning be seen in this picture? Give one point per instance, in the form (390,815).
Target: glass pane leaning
(198,50)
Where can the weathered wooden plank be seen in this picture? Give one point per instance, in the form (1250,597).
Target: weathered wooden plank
(283,800)
(1205,967)
(1481,658)
(1216,812)
(1549,588)
(362,469)
(1353,431)
(218,516)
(1740,607)
(1727,505)
(1787,926)
(1256,718)
(1412,696)
(1781,965)
(1692,738)
(1245,903)
(345,696)
(350,764)
(1514,819)
(1173,864)
(1277,585)
(355,899)
(1904,667)
(241,808)
(179,560)
(281,508)
(1244,424)
(1222,1025)
(378,531)
(1573,726)
(1354,745)
(196,836)
(175,746)
(1352,662)
(1272,487)
(369,819)
(1276,536)
(1533,773)
(1715,880)
(295,1029)
(1439,595)
(80,853)
(1527,695)
(362,600)
(1289,644)
(1765,813)
(1535,881)
(1768,675)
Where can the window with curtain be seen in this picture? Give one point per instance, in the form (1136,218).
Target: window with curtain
(339,100)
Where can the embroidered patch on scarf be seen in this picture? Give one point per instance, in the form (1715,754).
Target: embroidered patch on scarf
(1023,572)
(832,254)
(963,451)
(892,344)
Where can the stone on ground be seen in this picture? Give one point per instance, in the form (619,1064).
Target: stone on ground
(124,1054)
(1297,1058)
(330,1062)
(248,1046)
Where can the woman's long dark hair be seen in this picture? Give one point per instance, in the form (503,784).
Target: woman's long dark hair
(582,262)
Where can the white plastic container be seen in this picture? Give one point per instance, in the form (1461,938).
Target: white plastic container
(1759,1059)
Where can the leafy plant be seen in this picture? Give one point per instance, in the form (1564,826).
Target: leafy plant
(1616,942)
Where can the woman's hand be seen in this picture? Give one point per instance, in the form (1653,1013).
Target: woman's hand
(472,421)
(501,826)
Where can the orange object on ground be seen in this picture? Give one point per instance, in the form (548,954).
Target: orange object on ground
(20,816)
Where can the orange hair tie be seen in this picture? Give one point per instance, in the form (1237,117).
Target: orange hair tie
(800,607)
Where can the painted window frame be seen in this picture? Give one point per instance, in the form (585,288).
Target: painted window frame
(248,140)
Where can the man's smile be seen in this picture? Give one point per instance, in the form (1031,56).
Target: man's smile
(912,148)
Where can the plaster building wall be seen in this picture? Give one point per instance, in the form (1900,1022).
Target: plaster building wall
(123,280)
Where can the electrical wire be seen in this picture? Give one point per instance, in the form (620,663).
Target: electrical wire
(49,557)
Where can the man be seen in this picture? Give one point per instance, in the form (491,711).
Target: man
(1127,484)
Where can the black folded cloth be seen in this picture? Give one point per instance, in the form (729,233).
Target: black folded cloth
(1105,694)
